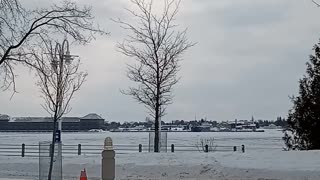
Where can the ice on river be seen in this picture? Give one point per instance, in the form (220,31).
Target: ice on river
(263,159)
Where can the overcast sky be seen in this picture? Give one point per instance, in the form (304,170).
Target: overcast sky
(248,60)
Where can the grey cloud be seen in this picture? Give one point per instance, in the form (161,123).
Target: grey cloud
(252,13)
(249,57)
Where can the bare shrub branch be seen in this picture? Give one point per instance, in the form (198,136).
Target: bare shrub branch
(201,144)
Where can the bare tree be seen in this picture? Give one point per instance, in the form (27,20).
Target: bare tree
(156,48)
(23,31)
(59,79)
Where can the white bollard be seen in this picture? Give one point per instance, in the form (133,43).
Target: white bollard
(108,161)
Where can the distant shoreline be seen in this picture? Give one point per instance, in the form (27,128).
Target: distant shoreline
(45,131)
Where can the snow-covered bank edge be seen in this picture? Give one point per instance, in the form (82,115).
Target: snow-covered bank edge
(249,165)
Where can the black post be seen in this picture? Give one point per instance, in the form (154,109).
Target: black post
(172,147)
(23,150)
(234,148)
(79,149)
(243,148)
(207,148)
(50,150)
(140,147)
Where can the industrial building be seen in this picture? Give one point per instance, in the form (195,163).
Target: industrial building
(86,123)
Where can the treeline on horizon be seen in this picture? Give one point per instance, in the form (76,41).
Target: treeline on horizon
(281,122)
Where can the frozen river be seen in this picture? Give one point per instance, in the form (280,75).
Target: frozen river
(264,157)
(270,139)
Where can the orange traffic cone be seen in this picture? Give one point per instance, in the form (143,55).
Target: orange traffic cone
(83,175)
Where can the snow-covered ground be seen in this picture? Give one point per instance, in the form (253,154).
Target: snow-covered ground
(263,159)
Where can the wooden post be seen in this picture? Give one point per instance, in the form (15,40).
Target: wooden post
(172,147)
(234,148)
(206,148)
(243,149)
(23,150)
(79,149)
(140,147)
(108,161)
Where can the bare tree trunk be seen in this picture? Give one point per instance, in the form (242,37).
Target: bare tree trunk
(55,120)
(156,132)
(52,146)
(157,113)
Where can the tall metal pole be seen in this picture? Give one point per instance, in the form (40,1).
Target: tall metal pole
(65,57)
(60,85)
(58,67)
(63,53)
(236,124)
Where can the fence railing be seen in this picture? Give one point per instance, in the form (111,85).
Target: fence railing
(32,150)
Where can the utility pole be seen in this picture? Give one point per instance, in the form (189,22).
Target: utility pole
(236,124)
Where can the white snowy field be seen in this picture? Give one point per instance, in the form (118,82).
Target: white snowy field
(263,159)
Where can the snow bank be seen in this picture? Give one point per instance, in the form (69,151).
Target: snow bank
(272,160)
(236,166)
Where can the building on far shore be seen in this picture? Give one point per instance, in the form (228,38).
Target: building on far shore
(86,123)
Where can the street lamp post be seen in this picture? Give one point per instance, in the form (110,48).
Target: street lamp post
(60,58)
(57,88)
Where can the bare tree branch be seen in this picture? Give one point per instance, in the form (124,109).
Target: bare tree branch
(23,32)
(316,3)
